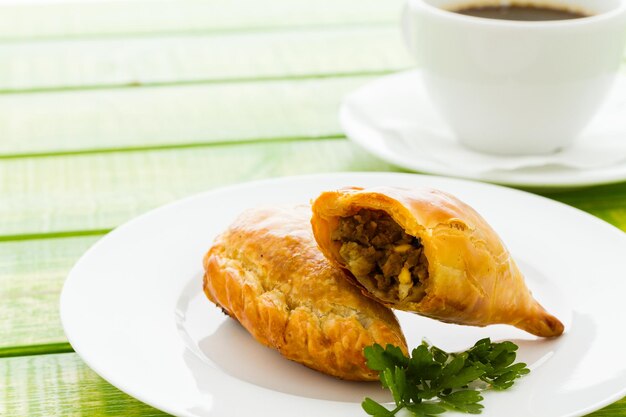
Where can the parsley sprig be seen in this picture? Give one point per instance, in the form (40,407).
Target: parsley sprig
(431,381)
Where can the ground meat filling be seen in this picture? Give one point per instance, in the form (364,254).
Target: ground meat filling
(381,256)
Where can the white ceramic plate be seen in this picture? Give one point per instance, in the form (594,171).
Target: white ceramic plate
(392,118)
(133,309)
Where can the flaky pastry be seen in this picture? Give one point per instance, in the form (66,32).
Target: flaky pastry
(266,272)
(425,251)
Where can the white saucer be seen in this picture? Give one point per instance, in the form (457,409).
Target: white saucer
(393,119)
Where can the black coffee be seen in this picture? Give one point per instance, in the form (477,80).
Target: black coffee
(523,13)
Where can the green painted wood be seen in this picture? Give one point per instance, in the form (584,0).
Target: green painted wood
(55,235)
(31,277)
(603,197)
(101,18)
(166,116)
(62,385)
(617,409)
(182,115)
(140,61)
(607,202)
(100,191)
(30,350)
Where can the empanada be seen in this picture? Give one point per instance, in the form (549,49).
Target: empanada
(266,272)
(425,251)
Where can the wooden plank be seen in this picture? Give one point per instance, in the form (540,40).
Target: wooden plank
(31,276)
(617,409)
(99,191)
(189,58)
(101,18)
(602,197)
(163,116)
(607,202)
(62,385)
(75,121)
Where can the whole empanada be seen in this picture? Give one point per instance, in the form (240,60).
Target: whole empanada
(425,251)
(266,272)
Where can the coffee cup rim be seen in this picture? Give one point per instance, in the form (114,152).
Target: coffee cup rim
(448,14)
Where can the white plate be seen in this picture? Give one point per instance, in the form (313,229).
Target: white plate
(133,309)
(392,117)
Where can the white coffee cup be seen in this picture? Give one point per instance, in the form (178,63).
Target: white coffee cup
(516,88)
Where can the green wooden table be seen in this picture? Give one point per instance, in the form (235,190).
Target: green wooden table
(111,108)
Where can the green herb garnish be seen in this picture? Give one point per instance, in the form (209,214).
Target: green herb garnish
(432,381)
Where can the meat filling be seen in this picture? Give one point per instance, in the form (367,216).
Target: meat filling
(386,260)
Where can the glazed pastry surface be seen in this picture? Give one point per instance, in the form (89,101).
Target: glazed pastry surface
(471,277)
(266,272)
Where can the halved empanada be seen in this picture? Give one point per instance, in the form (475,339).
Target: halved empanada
(266,272)
(425,251)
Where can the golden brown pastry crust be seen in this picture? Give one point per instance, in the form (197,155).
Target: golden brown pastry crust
(472,277)
(266,272)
